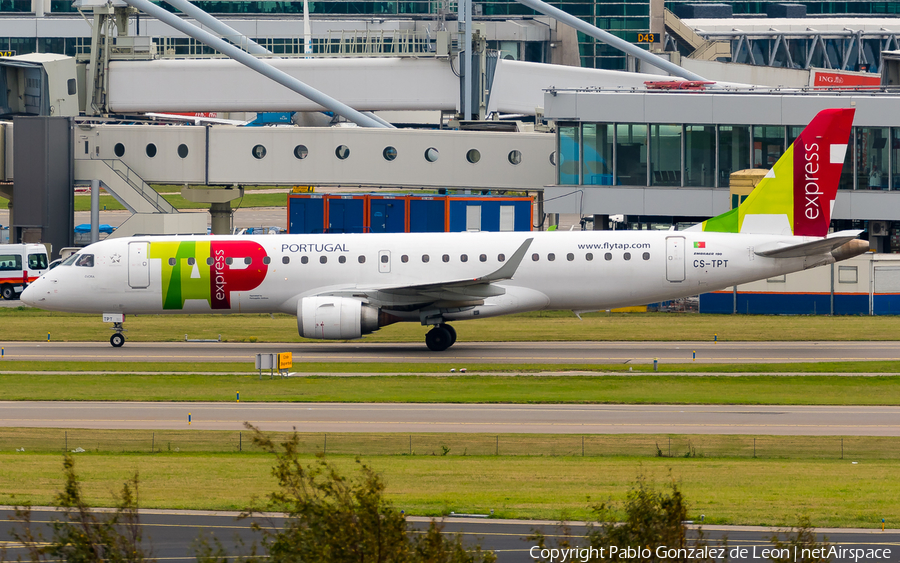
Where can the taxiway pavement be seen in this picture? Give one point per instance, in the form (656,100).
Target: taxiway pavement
(472,352)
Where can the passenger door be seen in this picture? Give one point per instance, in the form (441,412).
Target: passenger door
(138,265)
(675,259)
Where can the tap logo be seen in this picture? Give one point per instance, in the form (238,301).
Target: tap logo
(208,270)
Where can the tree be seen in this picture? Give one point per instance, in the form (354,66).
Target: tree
(653,519)
(332,518)
(82,535)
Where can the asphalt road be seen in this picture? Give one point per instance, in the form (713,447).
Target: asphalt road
(171,535)
(472,352)
(486,418)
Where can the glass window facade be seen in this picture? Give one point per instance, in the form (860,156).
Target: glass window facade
(699,155)
(569,162)
(665,155)
(872,162)
(705,156)
(768,145)
(734,152)
(631,154)
(597,156)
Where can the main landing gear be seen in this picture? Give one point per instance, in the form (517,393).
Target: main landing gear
(440,338)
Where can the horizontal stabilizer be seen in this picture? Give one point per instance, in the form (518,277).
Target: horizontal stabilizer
(819,246)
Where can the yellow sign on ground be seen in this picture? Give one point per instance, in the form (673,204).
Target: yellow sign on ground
(303,189)
(285,360)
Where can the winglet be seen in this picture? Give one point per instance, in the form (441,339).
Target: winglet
(508,270)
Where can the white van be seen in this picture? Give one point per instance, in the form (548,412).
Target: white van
(20,264)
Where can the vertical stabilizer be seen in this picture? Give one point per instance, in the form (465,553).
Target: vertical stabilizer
(797,195)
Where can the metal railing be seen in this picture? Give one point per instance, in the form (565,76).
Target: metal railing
(137,183)
(24,440)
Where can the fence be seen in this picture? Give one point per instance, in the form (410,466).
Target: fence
(674,446)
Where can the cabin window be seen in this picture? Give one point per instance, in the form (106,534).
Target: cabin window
(425,258)
(209,261)
(464,258)
(301,152)
(362,259)
(389,153)
(285,259)
(432,154)
(37,261)
(384,258)
(535,257)
(267,260)
(570,257)
(248,260)
(608,256)
(323,259)
(589,256)
(404,258)
(228,261)
(342,152)
(258,152)
(646,256)
(501,257)
(627,256)
(473,156)
(514,157)
(304,259)
(172,261)
(483,257)
(445,257)
(9,262)
(342,259)
(191,261)
(84,260)
(551,257)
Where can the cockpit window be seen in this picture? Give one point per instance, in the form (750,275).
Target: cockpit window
(85,260)
(70,260)
(37,261)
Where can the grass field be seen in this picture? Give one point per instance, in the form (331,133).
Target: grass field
(727,491)
(250,199)
(21,323)
(772,390)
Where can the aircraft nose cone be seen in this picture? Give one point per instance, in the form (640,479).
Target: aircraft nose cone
(29,295)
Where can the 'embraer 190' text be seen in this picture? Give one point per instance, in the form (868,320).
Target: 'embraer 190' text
(811,206)
(327,247)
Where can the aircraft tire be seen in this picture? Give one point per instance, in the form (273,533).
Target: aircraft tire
(117,340)
(452,332)
(438,339)
(8,292)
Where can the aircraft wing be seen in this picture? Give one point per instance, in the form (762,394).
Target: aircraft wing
(819,246)
(450,293)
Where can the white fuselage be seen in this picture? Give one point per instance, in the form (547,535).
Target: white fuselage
(581,271)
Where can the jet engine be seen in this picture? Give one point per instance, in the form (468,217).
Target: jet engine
(336,318)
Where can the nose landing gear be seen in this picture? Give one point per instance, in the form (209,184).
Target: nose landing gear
(117,339)
(440,338)
(118,321)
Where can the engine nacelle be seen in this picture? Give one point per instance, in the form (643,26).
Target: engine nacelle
(335,318)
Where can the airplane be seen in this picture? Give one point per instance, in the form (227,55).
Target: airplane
(343,286)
